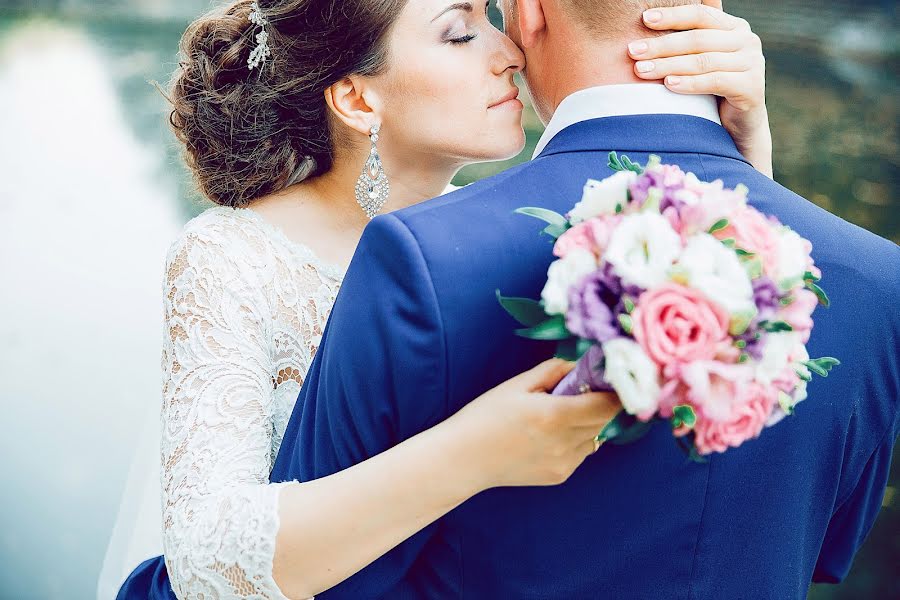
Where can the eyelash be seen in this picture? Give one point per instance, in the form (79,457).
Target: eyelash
(463,40)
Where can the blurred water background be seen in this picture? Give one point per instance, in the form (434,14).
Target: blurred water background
(92,190)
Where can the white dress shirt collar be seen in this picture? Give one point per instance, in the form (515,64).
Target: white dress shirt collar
(623,100)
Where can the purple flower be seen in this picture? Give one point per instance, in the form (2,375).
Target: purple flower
(588,370)
(667,179)
(591,303)
(767,298)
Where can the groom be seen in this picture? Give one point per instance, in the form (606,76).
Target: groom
(417,332)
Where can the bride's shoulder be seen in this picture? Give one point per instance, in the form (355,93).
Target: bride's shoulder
(224,231)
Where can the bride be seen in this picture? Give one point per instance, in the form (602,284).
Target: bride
(279,106)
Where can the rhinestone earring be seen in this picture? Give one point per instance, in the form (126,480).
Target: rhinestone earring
(372,187)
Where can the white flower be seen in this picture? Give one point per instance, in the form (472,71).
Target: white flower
(602,197)
(776,353)
(562,275)
(783,350)
(792,258)
(708,266)
(633,375)
(642,249)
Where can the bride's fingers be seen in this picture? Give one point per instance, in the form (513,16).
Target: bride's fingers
(736,87)
(692,16)
(696,64)
(693,42)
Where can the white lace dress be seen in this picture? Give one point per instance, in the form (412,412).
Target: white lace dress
(244,312)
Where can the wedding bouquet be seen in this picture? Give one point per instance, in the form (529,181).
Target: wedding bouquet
(690,304)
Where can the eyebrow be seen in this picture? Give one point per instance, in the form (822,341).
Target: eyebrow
(466,6)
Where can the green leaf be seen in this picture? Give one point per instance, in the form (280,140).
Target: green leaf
(632,166)
(614,163)
(684,415)
(743,253)
(629,304)
(808,276)
(719,225)
(728,242)
(573,348)
(633,433)
(526,311)
(815,368)
(822,366)
(627,323)
(827,362)
(550,330)
(775,326)
(548,216)
(820,294)
(615,427)
(803,375)
(554,231)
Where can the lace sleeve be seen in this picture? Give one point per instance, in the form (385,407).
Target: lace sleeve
(220,512)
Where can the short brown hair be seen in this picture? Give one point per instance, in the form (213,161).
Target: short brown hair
(246,132)
(606,17)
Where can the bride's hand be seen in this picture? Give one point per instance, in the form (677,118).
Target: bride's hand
(518,435)
(712,52)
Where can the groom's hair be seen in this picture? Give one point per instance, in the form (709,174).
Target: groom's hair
(620,18)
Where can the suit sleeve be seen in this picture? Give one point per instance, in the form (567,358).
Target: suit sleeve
(378,379)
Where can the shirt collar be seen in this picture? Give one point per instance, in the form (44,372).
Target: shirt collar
(625,100)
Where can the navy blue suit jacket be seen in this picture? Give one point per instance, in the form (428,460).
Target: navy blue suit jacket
(416,333)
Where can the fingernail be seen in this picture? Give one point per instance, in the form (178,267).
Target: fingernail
(645,66)
(673,81)
(638,47)
(652,16)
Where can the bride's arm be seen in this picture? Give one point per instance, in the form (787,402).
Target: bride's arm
(712,53)
(229,533)
(334,526)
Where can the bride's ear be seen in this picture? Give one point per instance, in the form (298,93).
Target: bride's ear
(531,21)
(354,104)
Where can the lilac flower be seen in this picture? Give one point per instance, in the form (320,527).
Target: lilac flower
(591,303)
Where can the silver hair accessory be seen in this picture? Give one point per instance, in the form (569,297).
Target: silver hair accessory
(372,187)
(261,52)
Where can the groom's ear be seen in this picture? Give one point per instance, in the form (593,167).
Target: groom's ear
(353,103)
(713,3)
(531,22)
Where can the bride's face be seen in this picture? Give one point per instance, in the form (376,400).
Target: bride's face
(449,91)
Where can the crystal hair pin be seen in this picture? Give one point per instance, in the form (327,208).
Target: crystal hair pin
(262,51)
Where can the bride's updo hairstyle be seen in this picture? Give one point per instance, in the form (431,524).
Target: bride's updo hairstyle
(248,132)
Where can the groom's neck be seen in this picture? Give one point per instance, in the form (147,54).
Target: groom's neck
(565,64)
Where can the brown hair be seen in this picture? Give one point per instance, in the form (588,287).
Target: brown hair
(605,17)
(247,132)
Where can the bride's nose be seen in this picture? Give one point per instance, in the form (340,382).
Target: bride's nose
(507,56)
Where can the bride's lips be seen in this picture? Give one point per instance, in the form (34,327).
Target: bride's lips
(510,100)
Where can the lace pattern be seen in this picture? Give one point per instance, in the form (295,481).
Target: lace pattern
(245,308)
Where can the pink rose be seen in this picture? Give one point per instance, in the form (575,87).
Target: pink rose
(752,410)
(752,232)
(676,324)
(714,388)
(798,314)
(591,235)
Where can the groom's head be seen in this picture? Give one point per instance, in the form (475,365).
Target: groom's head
(575,44)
